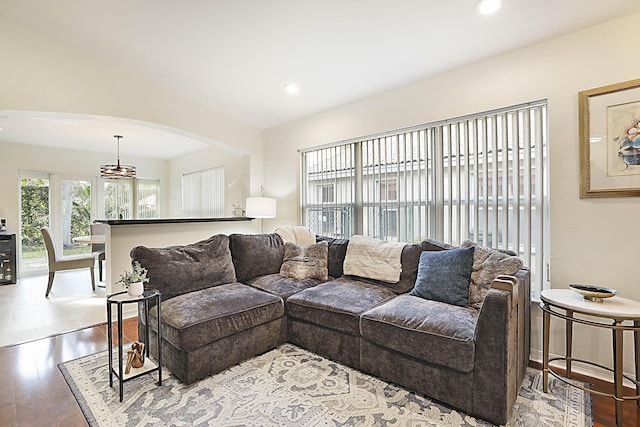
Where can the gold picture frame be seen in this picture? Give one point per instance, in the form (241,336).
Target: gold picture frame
(610,140)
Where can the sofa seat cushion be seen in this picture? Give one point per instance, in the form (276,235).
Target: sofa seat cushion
(283,287)
(337,304)
(192,320)
(431,331)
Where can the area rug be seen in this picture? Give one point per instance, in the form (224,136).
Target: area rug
(289,386)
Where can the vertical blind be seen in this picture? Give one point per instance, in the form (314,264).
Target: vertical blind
(203,193)
(147,196)
(481,177)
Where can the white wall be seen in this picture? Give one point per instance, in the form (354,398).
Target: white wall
(39,74)
(592,240)
(236,176)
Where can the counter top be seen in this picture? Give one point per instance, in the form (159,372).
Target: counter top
(169,220)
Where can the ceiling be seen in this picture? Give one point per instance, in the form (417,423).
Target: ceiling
(239,54)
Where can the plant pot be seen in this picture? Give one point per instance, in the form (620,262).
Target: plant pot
(135,289)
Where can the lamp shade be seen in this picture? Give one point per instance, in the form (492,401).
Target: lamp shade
(261,207)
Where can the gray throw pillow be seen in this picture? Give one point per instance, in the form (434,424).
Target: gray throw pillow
(256,254)
(444,276)
(487,265)
(337,252)
(305,262)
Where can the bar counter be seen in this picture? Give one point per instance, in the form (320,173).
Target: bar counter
(123,235)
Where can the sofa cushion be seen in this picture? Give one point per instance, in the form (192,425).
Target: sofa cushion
(409,260)
(256,254)
(284,287)
(176,270)
(337,252)
(434,245)
(337,304)
(427,330)
(305,262)
(192,320)
(444,276)
(487,265)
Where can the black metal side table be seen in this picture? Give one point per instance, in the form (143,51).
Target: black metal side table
(119,299)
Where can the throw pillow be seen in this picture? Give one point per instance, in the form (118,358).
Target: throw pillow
(305,262)
(444,276)
(256,254)
(487,265)
(337,252)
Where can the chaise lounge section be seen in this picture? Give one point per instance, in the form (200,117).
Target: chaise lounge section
(229,298)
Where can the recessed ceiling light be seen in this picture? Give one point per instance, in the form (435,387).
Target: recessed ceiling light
(488,7)
(291,88)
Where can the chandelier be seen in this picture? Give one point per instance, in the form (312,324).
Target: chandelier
(117,171)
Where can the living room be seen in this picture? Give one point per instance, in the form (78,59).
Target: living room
(589,238)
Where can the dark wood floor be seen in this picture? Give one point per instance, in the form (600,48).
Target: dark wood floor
(603,407)
(34,393)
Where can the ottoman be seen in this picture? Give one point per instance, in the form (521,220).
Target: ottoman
(206,331)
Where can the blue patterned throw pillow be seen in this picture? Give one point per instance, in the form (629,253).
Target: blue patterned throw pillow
(444,276)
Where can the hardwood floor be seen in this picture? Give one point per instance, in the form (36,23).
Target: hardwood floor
(603,407)
(34,393)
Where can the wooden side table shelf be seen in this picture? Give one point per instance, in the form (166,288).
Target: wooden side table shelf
(625,316)
(119,299)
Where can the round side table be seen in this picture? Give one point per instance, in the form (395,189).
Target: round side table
(119,299)
(624,315)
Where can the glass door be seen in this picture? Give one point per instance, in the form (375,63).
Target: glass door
(34,207)
(64,203)
(75,199)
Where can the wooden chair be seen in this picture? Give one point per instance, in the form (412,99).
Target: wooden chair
(59,263)
(97,249)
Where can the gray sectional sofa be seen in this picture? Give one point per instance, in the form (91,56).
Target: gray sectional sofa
(225,300)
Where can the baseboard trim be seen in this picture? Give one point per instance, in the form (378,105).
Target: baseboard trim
(588,371)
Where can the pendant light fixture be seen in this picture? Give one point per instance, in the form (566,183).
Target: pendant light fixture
(117,171)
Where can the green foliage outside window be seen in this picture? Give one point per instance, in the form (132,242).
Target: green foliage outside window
(35,211)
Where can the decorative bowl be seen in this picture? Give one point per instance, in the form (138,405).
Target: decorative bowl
(593,293)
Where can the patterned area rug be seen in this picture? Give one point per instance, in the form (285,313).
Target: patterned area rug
(289,386)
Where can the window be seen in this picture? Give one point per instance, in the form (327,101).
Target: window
(118,199)
(131,198)
(329,192)
(203,193)
(482,177)
(147,196)
(389,190)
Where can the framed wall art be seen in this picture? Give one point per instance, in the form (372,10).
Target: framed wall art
(610,140)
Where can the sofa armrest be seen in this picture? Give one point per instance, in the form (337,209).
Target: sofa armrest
(509,284)
(495,383)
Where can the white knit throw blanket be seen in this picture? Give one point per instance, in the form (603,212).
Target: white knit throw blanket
(297,234)
(373,259)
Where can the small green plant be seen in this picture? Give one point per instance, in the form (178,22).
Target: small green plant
(138,274)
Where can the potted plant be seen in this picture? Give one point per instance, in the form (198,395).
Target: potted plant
(133,281)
